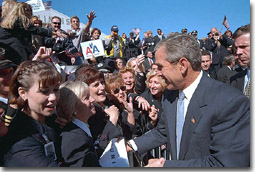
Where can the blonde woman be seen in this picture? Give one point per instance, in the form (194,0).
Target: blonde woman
(16,31)
(156,86)
(76,106)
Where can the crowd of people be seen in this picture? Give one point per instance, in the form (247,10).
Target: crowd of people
(176,92)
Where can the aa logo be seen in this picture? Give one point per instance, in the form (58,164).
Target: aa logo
(92,49)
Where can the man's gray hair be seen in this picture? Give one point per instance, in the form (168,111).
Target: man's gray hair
(180,45)
(228,59)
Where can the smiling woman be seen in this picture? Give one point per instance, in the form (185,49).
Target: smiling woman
(30,142)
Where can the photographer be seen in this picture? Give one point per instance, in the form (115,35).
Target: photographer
(217,44)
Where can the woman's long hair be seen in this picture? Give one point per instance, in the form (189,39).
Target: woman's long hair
(17,16)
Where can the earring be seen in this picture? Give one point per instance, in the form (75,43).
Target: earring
(74,114)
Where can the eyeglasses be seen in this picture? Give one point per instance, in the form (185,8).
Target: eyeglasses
(117,90)
(56,23)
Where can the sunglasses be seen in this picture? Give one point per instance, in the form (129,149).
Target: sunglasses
(56,23)
(117,90)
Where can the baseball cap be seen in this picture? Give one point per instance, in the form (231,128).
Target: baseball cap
(114,28)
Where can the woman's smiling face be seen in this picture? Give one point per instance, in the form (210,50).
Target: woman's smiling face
(97,91)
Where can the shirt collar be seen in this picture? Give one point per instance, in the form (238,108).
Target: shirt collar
(188,92)
(82,125)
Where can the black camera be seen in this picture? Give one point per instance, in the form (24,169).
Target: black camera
(217,34)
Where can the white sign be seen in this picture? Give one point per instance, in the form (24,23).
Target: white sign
(92,48)
(37,5)
(115,154)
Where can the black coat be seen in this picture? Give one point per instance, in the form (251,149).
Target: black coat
(77,147)
(152,101)
(156,38)
(18,41)
(218,52)
(224,74)
(238,79)
(103,130)
(24,143)
(150,44)
(140,84)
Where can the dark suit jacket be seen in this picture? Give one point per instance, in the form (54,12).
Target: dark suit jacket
(218,52)
(237,80)
(24,143)
(147,65)
(224,74)
(156,38)
(216,131)
(77,147)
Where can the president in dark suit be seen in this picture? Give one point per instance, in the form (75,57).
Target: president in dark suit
(205,122)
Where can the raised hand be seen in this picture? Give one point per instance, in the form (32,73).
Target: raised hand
(153,114)
(143,103)
(91,15)
(43,53)
(113,113)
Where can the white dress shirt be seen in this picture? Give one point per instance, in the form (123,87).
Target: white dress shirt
(82,125)
(188,93)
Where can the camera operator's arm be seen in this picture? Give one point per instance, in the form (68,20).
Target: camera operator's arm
(225,41)
(210,44)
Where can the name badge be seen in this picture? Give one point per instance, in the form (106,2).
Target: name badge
(49,150)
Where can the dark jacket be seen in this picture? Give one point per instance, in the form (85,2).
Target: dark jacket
(157,39)
(152,101)
(140,84)
(150,44)
(103,130)
(18,41)
(61,46)
(218,52)
(237,80)
(216,131)
(224,74)
(77,147)
(24,143)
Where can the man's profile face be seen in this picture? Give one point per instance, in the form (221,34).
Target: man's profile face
(169,71)
(206,62)
(242,44)
(56,24)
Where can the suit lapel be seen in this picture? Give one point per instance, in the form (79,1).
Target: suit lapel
(194,113)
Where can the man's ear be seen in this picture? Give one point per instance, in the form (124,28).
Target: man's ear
(210,61)
(183,62)
(22,93)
